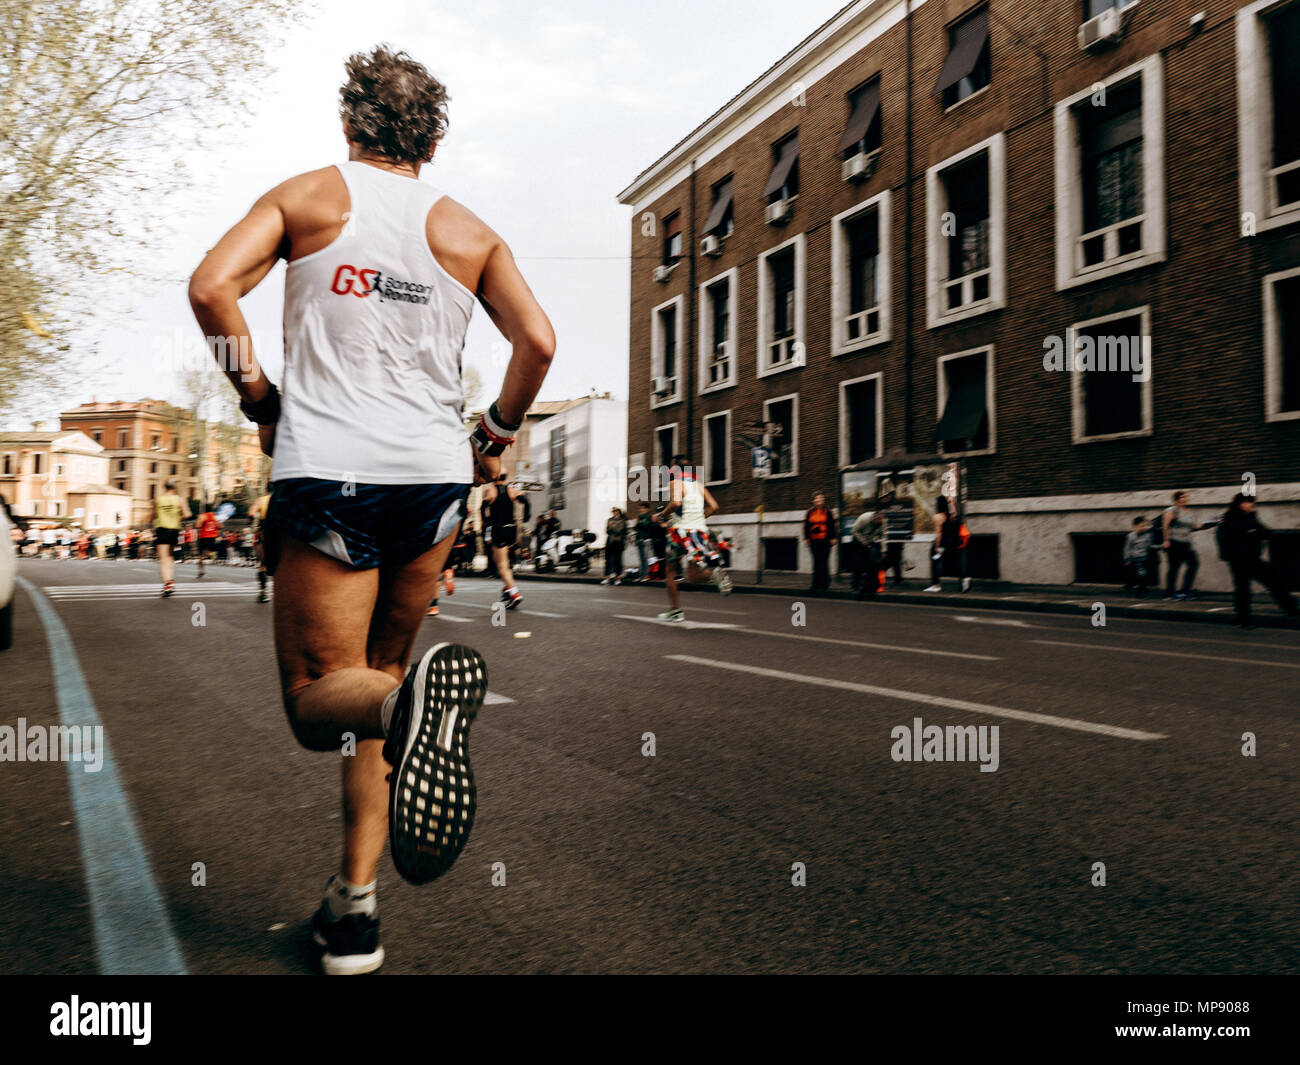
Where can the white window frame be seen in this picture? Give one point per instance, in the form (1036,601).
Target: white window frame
(990,395)
(656,350)
(937,244)
(879,378)
(732,277)
(1069,162)
(798,344)
(840,274)
(665,460)
(704,426)
(794,462)
(1273,350)
(1255,122)
(1077,412)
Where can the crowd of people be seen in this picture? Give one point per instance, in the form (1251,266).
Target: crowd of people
(233,546)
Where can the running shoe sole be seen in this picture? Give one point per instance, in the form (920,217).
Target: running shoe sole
(345,964)
(512,603)
(431,787)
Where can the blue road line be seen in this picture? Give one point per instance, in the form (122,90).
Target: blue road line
(132,931)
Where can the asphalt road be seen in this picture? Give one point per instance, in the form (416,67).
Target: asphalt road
(772,747)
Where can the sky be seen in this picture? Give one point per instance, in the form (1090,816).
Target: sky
(554,109)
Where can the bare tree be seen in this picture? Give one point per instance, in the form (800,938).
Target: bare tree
(94,95)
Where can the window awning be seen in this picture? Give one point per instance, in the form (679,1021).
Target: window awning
(784,164)
(719,211)
(970,38)
(864,113)
(964,413)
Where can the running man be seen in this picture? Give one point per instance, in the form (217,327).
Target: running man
(687,512)
(170,511)
(209,530)
(372,468)
(500,532)
(258,513)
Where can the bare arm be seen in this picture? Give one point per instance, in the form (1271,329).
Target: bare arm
(515,311)
(710,504)
(241,259)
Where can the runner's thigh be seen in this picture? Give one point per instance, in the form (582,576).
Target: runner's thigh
(322,614)
(403,600)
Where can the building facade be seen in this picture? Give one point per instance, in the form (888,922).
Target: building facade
(149,443)
(1059,242)
(60,477)
(579,454)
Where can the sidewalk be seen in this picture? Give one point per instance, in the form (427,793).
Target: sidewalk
(1208,607)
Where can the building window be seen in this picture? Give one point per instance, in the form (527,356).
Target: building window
(556,500)
(155,441)
(123,438)
(966,407)
(783,180)
(672,238)
(717,448)
(718,331)
(121,465)
(968,67)
(1093,8)
(665,346)
(153,491)
(8,464)
(36,508)
(665,451)
(97,435)
(781,307)
(783,412)
(1110,198)
(1110,376)
(1268,113)
(967,233)
(862,132)
(173,469)
(121,486)
(861,419)
(38,463)
(153,467)
(1282,345)
(721,221)
(860,275)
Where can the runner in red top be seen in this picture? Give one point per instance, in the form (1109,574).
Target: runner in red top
(209,530)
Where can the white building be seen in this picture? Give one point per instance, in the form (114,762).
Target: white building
(580,456)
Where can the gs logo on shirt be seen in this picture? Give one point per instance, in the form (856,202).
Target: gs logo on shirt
(362,283)
(346,278)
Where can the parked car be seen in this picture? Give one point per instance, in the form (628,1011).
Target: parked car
(8,564)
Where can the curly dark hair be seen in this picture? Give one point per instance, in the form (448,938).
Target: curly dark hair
(393,106)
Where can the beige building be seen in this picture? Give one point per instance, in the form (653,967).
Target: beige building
(61,476)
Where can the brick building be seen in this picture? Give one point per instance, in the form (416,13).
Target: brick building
(1059,241)
(149,442)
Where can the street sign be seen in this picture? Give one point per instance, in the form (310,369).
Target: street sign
(762,461)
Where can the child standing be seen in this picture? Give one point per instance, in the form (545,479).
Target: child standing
(1137,546)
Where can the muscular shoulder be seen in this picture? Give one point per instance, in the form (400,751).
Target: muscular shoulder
(313,205)
(460,240)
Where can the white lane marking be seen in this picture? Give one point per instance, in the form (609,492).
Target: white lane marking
(820,639)
(490,606)
(57,591)
(680,624)
(132,931)
(697,609)
(930,700)
(1167,654)
(443,616)
(496,699)
(1012,622)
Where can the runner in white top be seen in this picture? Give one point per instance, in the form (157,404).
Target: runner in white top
(372,468)
(689,505)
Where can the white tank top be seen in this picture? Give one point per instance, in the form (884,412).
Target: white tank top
(691,517)
(373,332)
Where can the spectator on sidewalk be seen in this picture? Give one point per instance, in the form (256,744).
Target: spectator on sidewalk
(645,537)
(947,540)
(1241,536)
(615,536)
(819,532)
(1175,536)
(1137,552)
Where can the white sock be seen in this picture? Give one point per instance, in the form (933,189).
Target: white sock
(510,590)
(386,707)
(343,898)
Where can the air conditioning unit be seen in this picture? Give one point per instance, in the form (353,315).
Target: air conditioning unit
(661,386)
(1104,30)
(711,245)
(859,167)
(663,273)
(778,212)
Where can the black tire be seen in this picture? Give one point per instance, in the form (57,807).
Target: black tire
(582,565)
(7,626)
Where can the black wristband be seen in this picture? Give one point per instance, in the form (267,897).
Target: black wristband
(266,411)
(498,424)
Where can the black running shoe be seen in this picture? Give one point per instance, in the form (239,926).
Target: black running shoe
(431,787)
(350,945)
